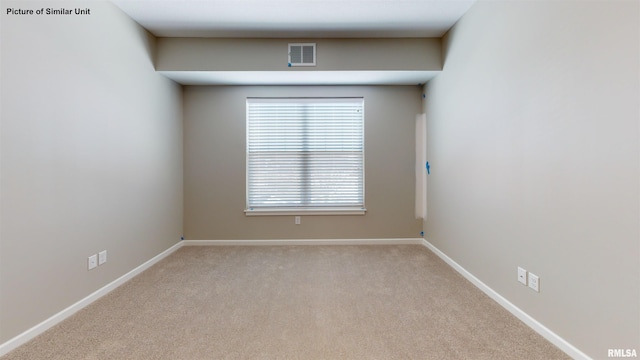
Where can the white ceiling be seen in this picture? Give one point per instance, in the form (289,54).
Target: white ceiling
(300,77)
(296,19)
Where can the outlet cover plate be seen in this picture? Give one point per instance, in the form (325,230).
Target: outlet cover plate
(522,275)
(102,257)
(93,261)
(534,282)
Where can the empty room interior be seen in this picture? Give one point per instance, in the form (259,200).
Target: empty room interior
(487,204)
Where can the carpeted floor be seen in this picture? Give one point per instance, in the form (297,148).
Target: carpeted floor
(293,302)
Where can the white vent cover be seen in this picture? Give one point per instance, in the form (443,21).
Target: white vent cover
(302,54)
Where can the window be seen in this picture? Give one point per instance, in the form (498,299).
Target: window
(305,155)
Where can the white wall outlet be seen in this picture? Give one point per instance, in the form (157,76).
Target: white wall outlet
(297,220)
(102,257)
(522,275)
(534,282)
(93,261)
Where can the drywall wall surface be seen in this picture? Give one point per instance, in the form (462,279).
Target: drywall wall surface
(215,166)
(91,147)
(231,54)
(534,150)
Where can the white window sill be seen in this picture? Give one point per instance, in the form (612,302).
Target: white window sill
(316,211)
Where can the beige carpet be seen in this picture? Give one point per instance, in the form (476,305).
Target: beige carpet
(293,302)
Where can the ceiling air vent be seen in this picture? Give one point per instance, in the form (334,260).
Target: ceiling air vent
(302,54)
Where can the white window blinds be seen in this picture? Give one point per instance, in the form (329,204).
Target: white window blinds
(305,154)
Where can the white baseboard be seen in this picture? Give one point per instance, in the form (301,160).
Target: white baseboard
(64,314)
(545,332)
(400,241)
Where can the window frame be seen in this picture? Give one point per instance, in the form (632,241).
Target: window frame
(303,210)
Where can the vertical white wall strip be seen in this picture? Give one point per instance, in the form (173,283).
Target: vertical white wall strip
(421,171)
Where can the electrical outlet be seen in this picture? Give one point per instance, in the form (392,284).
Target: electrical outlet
(93,261)
(534,282)
(522,275)
(297,220)
(102,257)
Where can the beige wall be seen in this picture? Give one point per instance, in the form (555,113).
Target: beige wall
(91,146)
(214,159)
(534,145)
(184,54)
